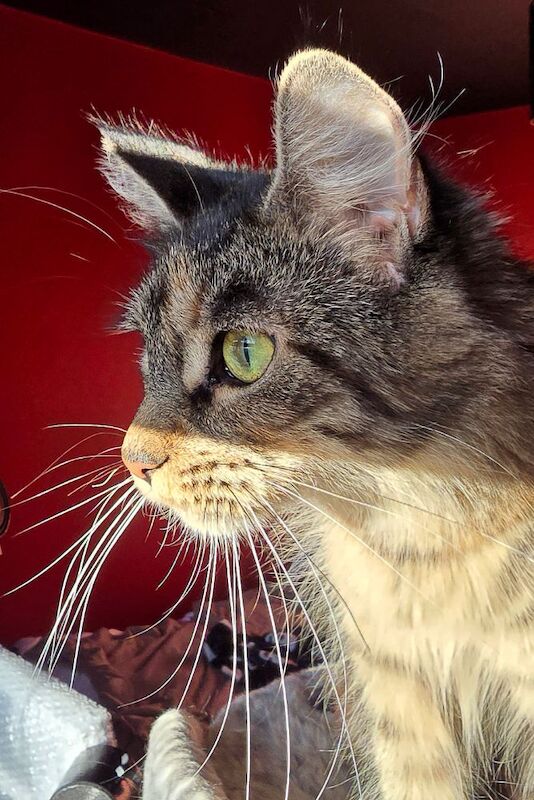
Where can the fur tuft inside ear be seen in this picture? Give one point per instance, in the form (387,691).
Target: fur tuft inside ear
(344,157)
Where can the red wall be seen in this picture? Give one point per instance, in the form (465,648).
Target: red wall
(61,278)
(61,281)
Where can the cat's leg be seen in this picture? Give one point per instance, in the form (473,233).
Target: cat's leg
(175,753)
(415,753)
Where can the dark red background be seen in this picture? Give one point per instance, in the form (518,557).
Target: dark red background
(61,279)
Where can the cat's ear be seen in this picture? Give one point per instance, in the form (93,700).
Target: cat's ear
(345,165)
(162,182)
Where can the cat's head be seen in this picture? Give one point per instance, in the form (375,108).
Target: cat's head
(301,325)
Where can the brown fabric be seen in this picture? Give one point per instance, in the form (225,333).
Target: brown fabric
(125,667)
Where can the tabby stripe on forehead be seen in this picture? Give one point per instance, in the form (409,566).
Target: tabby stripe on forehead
(352,379)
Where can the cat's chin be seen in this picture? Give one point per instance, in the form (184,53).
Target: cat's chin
(225,524)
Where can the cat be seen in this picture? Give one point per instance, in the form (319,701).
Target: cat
(339,364)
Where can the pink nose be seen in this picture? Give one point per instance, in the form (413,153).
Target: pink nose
(140,469)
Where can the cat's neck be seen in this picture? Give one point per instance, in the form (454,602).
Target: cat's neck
(423,559)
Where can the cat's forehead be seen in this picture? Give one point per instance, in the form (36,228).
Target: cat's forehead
(257,274)
(239,280)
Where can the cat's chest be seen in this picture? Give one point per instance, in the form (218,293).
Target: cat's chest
(422,607)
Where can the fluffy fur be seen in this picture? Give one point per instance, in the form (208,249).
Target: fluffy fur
(387,448)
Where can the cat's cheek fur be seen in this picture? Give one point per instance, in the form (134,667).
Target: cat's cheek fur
(208,487)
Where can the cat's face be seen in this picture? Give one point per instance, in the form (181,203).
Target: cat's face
(257,363)
(297,326)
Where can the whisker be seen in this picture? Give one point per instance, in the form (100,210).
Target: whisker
(69,194)
(260,466)
(190,583)
(506,545)
(153,519)
(279,656)
(86,425)
(211,569)
(231,580)
(106,480)
(57,486)
(61,208)
(248,774)
(85,586)
(88,591)
(280,588)
(315,568)
(71,508)
(342,708)
(55,465)
(175,561)
(434,533)
(355,536)
(81,552)
(213,559)
(57,559)
(287,625)
(87,565)
(164,539)
(384,510)
(469,446)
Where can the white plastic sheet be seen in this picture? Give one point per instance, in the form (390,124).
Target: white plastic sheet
(44,726)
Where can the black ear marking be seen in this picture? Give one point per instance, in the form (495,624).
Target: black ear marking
(162,181)
(186,189)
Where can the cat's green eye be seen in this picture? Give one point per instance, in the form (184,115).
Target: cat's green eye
(247,355)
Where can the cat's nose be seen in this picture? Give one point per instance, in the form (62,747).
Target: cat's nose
(141,469)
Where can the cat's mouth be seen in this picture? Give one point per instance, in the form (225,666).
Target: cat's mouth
(213,500)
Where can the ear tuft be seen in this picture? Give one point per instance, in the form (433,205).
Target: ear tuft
(160,179)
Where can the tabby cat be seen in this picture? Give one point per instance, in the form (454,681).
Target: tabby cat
(339,364)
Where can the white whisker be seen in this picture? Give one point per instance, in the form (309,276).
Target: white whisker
(190,583)
(232,588)
(86,566)
(84,574)
(175,561)
(355,536)
(248,767)
(213,559)
(55,465)
(88,591)
(58,558)
(384,510)
(342,706)
(100,475)
(279,656)
(57,486)
(71,508)
(469,447)
(68,194)
(86,425)
(61,208)
(211,569)
(82,553)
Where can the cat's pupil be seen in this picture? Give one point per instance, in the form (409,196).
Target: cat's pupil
(247,345)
